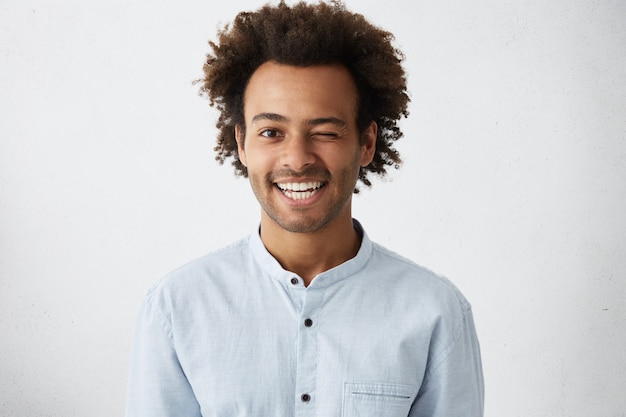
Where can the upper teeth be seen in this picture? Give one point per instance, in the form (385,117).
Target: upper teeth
(299,186)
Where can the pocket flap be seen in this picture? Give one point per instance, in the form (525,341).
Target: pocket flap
(380,391)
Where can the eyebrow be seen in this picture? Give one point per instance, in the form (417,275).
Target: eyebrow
(274,117)
(325,120)
(269,116)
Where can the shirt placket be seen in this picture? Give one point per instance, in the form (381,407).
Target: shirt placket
(306,371)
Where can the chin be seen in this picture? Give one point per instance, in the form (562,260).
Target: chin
(301,224)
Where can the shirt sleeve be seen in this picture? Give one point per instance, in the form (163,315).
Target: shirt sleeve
(454,386)
(157,385)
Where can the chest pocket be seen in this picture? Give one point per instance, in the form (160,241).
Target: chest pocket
(377,400)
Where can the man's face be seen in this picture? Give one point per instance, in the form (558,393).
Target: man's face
(302,147)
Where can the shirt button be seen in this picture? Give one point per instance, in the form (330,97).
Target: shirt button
(305,398)
(294,281)
(308,323)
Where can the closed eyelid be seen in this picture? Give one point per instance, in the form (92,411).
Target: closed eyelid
(327,133)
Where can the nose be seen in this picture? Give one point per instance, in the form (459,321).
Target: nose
(297,153)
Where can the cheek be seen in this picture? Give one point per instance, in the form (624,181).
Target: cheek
(257,162)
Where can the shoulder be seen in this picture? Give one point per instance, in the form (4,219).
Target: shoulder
(204,273)
(425,297)
(415,280)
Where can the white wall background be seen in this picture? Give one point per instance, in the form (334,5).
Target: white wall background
(514,186)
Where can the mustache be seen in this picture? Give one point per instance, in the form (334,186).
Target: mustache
(310,172)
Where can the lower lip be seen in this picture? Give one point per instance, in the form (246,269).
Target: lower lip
(302,202)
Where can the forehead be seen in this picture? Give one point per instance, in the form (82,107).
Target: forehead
(318,89)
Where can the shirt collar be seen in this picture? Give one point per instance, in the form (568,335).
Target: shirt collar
(270,265)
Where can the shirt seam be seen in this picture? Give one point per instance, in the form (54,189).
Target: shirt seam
(465,304)
(214,253)
(440,358)
(160,317)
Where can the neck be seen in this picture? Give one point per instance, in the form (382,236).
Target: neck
(309,254)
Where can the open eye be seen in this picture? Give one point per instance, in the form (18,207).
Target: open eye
(270,133)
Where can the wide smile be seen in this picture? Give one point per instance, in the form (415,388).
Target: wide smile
(298,191)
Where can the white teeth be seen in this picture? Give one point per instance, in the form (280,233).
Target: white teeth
(299,195)
(299,186)
(299,190)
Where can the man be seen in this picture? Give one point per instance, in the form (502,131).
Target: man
(306,317)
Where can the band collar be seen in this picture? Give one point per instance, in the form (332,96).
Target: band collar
(272,267)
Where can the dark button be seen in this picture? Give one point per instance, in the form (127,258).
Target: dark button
(294,281)
(305,398)
(308,323)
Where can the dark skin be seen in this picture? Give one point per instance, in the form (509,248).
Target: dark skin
(282,33)
(303,151)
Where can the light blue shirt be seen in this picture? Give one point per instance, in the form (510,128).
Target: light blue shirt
(234,334)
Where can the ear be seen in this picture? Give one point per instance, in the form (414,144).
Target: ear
(240,138)
(368,144)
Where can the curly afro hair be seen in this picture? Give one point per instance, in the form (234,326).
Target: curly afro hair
(306,35)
